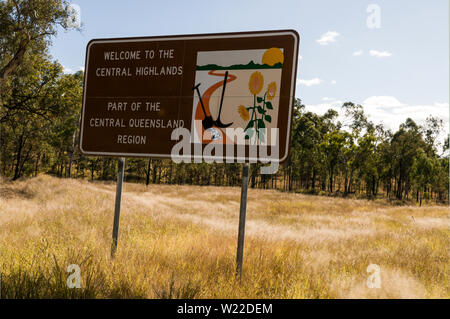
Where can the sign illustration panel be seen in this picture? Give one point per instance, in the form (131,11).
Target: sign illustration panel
(241,89)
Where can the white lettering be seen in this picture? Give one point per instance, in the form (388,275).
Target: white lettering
(122,55)
(131,139)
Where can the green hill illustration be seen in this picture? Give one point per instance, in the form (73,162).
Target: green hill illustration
(249,66)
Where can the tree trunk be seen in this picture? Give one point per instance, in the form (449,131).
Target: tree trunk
(170,173)
(373,185)
(350,181)
(36,164)
(92,170)
(69,171)
(16,59)
(345,182)
(253,183)
(18,158)
(399,188)
(25,159)
(331,183)
(147,173)
(159,173)
(154,173)
(313,182)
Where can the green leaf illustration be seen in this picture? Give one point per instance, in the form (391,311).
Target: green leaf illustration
(261,124)
(259,99)
(269,105)
(260,110)
(268,118)
(249,125)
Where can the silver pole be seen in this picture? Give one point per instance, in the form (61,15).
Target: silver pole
(242,213)
(115,234)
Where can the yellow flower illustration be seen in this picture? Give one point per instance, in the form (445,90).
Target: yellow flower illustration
(256,82)
(243,112)
(271,90)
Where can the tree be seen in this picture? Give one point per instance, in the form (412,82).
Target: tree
(431,130)
(423,172)
(405,143)
(366,160)
(332,147)
(41,112)
(27,25)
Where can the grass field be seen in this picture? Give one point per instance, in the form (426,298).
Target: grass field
(180,242)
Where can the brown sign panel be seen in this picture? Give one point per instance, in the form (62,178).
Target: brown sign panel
(137,91)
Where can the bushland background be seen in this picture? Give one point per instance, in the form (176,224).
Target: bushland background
(40,114)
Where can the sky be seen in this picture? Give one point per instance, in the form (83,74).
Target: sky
(392,57)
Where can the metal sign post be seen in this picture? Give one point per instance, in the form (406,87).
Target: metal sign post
(242,213)
(115,234)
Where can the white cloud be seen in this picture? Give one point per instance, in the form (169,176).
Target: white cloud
(383,101)
(389,111)
(321,108)
(311,82)
(358,53)
(67,70)
(441,104)
(333,82)
(328,37)
(380,54)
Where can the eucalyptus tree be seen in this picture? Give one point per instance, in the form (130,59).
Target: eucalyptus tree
(27,26)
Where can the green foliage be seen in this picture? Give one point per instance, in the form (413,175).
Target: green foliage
(27,26)
(360,157)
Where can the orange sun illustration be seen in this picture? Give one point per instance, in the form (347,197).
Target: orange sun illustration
(273,56)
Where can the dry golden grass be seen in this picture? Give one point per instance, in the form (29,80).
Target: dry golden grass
(180,242)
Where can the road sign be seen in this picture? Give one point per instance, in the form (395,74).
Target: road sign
(137,91)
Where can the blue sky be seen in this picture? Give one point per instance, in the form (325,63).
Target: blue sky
(398,70)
